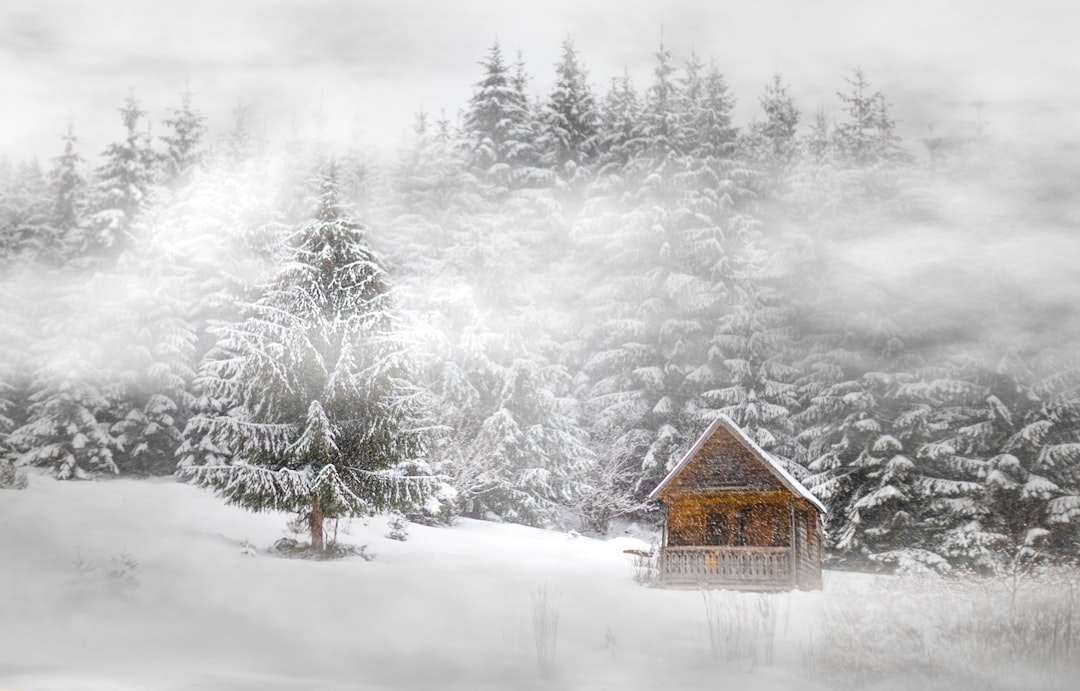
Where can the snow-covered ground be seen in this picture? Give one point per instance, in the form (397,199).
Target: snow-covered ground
(207,608)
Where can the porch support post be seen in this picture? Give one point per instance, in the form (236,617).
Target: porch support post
(792,530)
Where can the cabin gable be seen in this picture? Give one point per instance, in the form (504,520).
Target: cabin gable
(722,463)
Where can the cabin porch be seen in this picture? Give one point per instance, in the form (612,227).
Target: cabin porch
(744,568)
(740,540)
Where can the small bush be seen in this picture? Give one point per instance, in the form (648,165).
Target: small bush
(643,565)
(12,477)
(399,528)
(118,579)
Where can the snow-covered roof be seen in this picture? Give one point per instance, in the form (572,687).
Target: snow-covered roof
(771,463)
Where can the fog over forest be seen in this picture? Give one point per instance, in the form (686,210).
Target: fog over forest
(571,238)
(462,283)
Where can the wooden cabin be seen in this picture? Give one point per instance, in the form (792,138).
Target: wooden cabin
(734,518)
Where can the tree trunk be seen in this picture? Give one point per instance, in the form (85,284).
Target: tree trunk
(316,526)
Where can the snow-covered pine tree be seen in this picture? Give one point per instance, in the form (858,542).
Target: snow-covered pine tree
(867,145)
(187,127)
(121,187)
(238,144)
(9,359)
(68,188)
(472,271)
(322,412)
(20,312)
(526,455)
(1024,437)
(620,131)
(498,122)
(66,428)
(820,140)
(752,344)
(877,425)
(570,120)
(433,197)
(523,154)
(63,431)
(916,484)
(661,123)
(867,135)
(149,398)
(650,237)
(773,145)
(25,229)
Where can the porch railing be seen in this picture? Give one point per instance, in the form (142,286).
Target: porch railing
(734,566)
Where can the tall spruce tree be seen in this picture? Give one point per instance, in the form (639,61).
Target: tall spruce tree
(187,127)
(773,144)
(867,135)
(497,126)
(620,130)
(24,213)
(67,417)
(69,196)
(122,186)
(321,412)
(752,343)
(570,119)
(1023,436)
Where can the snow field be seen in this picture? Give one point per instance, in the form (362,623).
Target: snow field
(451,608)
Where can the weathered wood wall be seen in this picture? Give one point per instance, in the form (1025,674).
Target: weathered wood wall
(731,518)
(808,546)
(723,462)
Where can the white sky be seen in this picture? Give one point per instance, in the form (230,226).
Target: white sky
(372,62)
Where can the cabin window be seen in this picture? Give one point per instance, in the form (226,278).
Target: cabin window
(716,529)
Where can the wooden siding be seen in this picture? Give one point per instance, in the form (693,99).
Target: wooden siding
(808,539)
(734,519)
(723,462)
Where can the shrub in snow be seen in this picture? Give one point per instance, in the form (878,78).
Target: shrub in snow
(116,579)
(12,477)
(399,528)
(643,564)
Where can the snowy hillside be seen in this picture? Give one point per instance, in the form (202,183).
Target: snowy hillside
(147,585)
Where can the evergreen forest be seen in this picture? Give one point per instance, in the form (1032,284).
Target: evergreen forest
(536,305)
